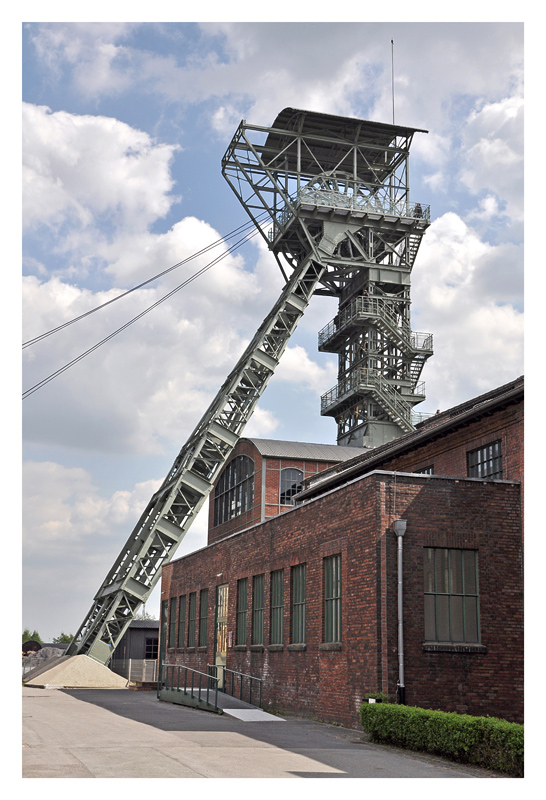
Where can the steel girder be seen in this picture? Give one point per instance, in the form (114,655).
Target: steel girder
(172,509)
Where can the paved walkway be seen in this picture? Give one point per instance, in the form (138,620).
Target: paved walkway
(98,733)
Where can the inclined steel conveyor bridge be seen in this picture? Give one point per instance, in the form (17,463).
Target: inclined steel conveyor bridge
(336,193)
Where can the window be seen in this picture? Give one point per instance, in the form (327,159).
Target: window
(258,609)
(277,606)
(332,598)
(150,649)
(425,470)
(172,622)
(182,621)
(299,591)
(240,637)
(191,620)
(203,614)
(234,493)
(291,484)
(451,595)
(485,462)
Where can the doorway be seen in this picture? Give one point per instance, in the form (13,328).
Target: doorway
(220,633)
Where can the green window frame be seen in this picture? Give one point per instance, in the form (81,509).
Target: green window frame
(172,622)
(290,485)
(181,620)
(451,597)
(298,603)
(192,611)
(332,598)
(276,607)
(240,628)
(203,616)
(258,608)
(234,492)
(486,461)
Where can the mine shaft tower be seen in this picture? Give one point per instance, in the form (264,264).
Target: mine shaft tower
(337,190)
(334,193)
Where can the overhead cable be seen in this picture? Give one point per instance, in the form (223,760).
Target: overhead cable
(144,283)
(197,274)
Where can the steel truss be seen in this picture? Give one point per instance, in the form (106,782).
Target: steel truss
(337,197)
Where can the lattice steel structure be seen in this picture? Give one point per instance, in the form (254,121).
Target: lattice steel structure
(340,222)
(337,190)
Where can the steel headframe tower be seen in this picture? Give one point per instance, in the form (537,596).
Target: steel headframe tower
(337,190)
(336,193)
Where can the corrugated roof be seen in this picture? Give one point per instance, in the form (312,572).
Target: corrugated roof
(306,450)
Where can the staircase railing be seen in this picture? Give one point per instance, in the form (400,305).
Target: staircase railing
(234,683)
(189,682)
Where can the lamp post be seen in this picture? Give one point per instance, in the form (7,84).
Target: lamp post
(399,528)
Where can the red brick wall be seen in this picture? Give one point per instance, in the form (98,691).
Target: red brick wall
(448,452)
(270,503)
(356,521)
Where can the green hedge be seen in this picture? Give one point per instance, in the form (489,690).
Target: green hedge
(483,741)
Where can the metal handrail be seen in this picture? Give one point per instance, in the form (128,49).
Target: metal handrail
(373,379)
(356,203)
(188,688)
(241,675)
(378,307)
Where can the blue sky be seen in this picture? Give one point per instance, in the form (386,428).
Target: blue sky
(124,128)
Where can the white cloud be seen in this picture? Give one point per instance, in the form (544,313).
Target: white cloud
(466,293)
(298,368)
(493,142)
(77,168)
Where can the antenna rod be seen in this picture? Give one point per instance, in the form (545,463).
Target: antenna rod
(392,74)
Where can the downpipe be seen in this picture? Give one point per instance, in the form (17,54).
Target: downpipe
(399,527)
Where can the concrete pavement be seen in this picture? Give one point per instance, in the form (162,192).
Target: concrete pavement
(111,733)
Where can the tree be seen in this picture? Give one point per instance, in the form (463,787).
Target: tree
(34,636)
(63,637)
(144,614)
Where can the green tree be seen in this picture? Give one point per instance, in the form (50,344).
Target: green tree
(34,636)
(63,637)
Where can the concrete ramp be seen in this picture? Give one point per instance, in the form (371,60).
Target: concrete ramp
(74,672)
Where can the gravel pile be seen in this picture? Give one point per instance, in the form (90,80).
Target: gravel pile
(76,672)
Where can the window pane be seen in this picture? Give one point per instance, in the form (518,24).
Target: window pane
(471,619)
(240,637)
(291,484)
(470,572)
(191,620)
(456,570)
(457,626)
(442,618)
(258,609)
(332,599)
(172,622)
(430,618)
(442,574)
(182,621)
(428,563)
(298,603)
(277,606)
(203,616)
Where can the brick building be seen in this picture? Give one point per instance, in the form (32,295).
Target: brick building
(262,478)
(307,599)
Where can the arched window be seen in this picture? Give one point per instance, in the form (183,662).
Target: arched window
(291,484)
(234,492)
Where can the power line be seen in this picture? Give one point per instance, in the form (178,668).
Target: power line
(197,274)
(206,249)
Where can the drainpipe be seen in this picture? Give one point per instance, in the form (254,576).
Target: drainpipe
(399,527)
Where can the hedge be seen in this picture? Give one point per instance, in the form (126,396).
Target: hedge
(483,741)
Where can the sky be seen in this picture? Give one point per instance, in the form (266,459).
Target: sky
(124,128)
